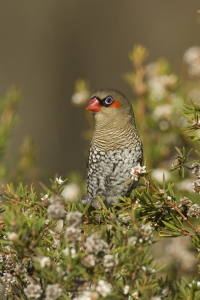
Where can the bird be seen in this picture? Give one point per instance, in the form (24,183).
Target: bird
(115,148)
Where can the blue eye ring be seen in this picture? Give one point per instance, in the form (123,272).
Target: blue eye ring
(108,101)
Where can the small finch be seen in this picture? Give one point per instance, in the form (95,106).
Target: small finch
(115,148)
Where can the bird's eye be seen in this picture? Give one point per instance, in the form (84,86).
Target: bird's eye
(108,101)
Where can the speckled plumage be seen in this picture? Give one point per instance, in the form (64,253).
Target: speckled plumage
(115,148)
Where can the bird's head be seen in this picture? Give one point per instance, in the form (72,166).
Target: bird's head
(110,106)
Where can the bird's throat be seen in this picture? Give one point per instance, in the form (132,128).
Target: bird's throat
(106,139)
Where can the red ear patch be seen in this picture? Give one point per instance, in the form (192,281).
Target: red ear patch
(115,104)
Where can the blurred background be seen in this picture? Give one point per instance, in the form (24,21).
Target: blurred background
(46,45)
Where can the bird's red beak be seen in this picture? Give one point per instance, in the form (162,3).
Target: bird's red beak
(94,105)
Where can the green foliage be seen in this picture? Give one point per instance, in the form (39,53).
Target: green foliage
(192,114)
(47,242)
(108,259)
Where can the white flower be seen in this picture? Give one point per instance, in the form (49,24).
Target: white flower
(192,59)
(43,261)
(196,186)
(70,251)
(148,270)
(45,197)
(103,288)
(136,204)
(157,90)
(95,245)
(194,211)
(195,284)
(87,295)
(12,236)
(152,70)
(74,218)
(55,211)
(132,240)
(33,291)
(125,218)
(135,295)
(59,180)
(126,289)
(198,284)
(192,55)
(80,97)
(147,228)
(73,234)
(194,70)
(71,192)
(46,222)
(168,80)
(108,262)
(137,171)
(8,278)
(162,111)
(89,260)
(53,291)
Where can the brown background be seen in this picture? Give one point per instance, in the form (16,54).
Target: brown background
(46,45)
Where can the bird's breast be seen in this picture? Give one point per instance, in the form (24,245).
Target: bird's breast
(114,162)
